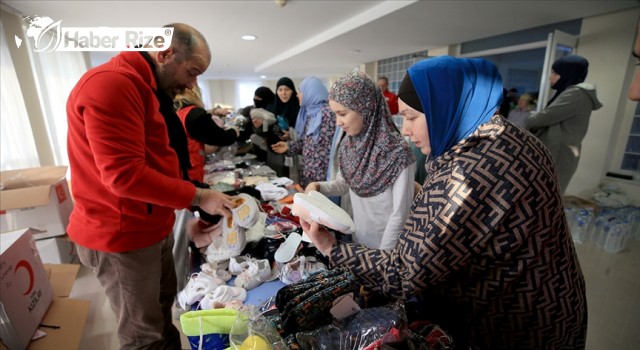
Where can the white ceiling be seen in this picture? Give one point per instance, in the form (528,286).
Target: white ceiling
(318,37)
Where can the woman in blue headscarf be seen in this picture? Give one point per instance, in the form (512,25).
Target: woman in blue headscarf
(562,125)
(315,125)
(486,248)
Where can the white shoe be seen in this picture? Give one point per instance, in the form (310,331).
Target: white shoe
(245,214)
(300,268)
(314,206)
(238,264)
(288,248)
(221,296)
(263,114)
(198,286)
(257,272)
(230,244)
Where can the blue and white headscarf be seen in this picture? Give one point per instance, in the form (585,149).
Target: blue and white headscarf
(314,98)
(457,95)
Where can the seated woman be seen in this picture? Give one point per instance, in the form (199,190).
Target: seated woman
(376,164)
(316,126)
(486,246)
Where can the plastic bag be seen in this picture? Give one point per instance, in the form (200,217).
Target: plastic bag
(254,332)
(360,330)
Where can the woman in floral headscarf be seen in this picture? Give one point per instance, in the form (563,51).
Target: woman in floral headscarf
(316,125)
(486,246)
(376,164)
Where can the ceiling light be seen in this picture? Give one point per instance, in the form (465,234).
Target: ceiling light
(355,52)
(248,37)
(263,77)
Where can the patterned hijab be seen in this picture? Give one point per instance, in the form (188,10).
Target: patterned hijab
(287,110)
(455,94)
(372,160)
(314,98)
(572,70)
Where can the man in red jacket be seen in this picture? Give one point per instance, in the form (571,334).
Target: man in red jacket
(390,97)
(128,158)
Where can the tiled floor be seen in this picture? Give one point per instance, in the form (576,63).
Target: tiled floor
(613,293)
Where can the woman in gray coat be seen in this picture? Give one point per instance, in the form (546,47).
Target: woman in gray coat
(563,123)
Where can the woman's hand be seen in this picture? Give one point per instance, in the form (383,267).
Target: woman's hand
(321,238)
(280,147)
(314,186)
(285,136)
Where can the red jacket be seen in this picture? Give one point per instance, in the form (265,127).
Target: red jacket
(124,175)
(392,101)
(196,148)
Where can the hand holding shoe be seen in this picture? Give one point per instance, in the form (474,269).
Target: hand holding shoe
(213,202)
(321,238)
(314,186)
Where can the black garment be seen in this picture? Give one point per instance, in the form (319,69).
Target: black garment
(288,111)
(202,128)
(177,135)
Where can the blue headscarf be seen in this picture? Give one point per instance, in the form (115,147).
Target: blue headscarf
(457,95)
(314,98)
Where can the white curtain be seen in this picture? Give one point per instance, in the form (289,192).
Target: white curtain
(57,73)
(17,147)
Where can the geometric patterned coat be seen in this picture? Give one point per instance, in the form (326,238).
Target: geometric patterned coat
(487,247)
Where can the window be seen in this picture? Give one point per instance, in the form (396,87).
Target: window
(17,146)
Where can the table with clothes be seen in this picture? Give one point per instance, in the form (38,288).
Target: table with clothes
(257,282)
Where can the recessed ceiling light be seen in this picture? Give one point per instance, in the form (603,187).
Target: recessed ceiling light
(354,51)
(263,77)
(248,37)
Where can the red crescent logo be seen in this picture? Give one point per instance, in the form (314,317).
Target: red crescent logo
(27,266)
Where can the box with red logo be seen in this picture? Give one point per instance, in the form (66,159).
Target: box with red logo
(25,290)
(38,198)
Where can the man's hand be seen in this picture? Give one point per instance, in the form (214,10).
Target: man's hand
(280,147)
(213,202)
(321,238)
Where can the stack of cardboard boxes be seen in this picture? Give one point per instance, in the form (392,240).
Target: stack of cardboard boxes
(35,205)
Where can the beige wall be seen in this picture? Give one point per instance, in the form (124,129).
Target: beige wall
(606,41)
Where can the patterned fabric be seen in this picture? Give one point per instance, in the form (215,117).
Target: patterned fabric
(488,234)
(305,305)
(371,160)
(315,153)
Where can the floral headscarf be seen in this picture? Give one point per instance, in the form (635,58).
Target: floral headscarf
(372,160)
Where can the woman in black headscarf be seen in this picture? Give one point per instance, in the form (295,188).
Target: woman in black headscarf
(285,108)
(563,123)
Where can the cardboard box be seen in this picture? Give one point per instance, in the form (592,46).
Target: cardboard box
(57,250)
(38,198)
(25,291)
(69,314)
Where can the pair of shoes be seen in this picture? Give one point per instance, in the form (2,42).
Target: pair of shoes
(262,114)
(208,268)
(301,268)
(314,206)
(231,243)
(221,296)
(257,272)
(198,286)
(246,211)
(238,264)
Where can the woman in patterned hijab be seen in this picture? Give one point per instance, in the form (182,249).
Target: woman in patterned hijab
(376,163)
(486,247)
